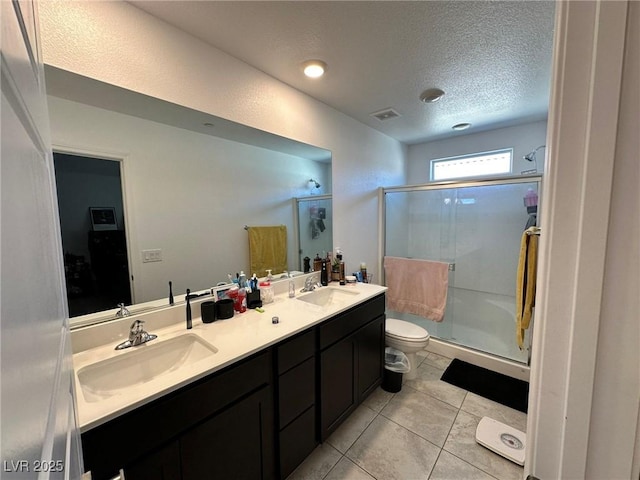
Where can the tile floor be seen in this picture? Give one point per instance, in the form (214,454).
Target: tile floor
(425,431)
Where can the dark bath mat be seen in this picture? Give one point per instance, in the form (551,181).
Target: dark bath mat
(500,388)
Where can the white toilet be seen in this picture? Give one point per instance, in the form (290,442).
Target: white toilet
(407,337)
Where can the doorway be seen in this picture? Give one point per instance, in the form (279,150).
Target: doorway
(91,207)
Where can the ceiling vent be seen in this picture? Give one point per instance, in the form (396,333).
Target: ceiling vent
(386,114)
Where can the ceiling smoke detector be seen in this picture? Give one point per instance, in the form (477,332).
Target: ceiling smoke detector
(431,95)
(386,114)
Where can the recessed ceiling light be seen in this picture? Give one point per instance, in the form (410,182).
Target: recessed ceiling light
(314,68)
(208,124)
(461,126)
(431,95)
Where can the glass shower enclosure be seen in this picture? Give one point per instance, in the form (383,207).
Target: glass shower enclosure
(314,225)
(476,227)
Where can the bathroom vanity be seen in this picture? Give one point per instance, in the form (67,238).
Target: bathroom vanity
(254,406)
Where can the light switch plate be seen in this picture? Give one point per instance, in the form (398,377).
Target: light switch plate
(153,255)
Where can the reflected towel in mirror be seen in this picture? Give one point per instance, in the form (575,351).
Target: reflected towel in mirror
(267,249)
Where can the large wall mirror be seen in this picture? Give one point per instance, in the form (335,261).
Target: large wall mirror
(190,183)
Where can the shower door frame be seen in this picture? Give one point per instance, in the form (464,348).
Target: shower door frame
(296,201)
(494,362)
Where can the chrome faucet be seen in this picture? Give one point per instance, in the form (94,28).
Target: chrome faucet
(137,336)
(123,312)
(310,284)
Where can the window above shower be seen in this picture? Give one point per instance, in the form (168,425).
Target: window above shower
(483,164)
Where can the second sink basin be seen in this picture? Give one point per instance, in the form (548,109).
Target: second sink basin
(327,296)
(141,364)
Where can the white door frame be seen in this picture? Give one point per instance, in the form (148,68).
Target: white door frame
(581,153)
(124,160)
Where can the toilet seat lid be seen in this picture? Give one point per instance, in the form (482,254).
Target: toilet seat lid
(406,330)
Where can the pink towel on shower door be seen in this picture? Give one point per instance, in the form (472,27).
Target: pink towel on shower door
(417,286)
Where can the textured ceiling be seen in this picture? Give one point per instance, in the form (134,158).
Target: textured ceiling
(492,58)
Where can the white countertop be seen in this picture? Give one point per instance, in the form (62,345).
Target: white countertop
(236,338)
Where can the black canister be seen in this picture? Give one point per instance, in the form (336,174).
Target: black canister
(208,312)
(224,309)
(253,299)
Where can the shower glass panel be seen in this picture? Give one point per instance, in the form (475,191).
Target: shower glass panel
(315,227)
(476,227)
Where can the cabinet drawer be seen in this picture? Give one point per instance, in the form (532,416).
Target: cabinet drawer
(297,391)
(296,350)
(297,441)
(350,321)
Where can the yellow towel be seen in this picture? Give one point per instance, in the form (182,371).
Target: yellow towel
(267,250)
(526,283)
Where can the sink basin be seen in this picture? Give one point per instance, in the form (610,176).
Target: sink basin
(140,365)
(327,296)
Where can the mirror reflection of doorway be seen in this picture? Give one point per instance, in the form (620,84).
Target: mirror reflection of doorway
(92,226)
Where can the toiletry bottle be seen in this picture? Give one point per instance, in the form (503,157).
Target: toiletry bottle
(531,201)
(341,267)
(242,280)
(324,278)
(363,272)
(317,263)
(292,287)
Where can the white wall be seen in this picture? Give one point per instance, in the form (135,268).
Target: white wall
(188,194)
(37,418)
(585,373)
(522,138)
(116,43)
(616,395)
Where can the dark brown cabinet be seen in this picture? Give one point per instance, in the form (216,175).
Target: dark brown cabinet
(370,344)
(337,384)
(236,443)
(351,361)
(162,464)
(222,423)
(296,393)
(256,419)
